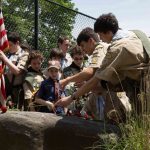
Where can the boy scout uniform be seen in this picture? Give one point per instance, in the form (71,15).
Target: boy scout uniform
(31,85)
(98,55)
(121,66)
(117,104)
(13,82)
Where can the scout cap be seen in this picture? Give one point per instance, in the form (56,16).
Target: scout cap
(54,64)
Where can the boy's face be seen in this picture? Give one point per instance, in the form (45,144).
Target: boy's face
(78,59)
(88,47)
(53,73)
(12,46)
(36,64)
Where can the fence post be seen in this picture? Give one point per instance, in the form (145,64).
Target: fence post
(36,29)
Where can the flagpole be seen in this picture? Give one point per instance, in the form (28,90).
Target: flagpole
(0,4)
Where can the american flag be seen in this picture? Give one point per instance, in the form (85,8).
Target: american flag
(3,46)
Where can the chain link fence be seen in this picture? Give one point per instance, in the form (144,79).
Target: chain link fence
(41,27)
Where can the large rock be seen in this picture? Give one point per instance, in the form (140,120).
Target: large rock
(43,131)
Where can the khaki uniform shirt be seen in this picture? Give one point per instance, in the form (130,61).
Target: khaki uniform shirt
(32,84)
(98,55)
(123,59)
(19,58)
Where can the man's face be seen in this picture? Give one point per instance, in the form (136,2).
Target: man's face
(64,46)
(87,47)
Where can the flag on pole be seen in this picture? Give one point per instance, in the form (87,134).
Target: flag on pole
(3,35)
(3,46)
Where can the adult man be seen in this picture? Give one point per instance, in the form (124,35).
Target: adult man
(63,44)
(120,67)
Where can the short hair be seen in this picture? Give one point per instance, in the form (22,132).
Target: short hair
(86,34)
(105,23)
(61,39)
(14,37)
(55,52)
(35,54)
(76,51)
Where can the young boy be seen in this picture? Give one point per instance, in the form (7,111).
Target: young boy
(50,91)
(57,55)
(16,65)
(33,78)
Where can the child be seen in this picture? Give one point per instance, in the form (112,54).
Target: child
(76,67)
(49,91)
(16,65)
(57,55)
(33,78)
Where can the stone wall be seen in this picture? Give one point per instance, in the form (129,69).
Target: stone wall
(43,131)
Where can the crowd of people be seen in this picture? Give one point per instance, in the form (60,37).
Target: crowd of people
(101,78)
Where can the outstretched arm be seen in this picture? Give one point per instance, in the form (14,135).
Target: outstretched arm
(87,87)
(84,75)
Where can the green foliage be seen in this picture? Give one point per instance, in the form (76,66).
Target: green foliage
(135,136)
(53,21)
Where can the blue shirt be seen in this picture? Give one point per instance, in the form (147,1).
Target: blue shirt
(47,93)
(47,90)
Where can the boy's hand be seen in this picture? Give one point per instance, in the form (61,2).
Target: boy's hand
(50,106)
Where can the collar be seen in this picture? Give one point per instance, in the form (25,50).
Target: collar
(120,34)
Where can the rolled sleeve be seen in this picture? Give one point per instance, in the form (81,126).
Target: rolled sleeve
(98,55)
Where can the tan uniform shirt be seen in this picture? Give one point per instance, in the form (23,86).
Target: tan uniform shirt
(122,60)
(98,55)
(32,84)
(19,58)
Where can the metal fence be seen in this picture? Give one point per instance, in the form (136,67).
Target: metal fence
(41,22)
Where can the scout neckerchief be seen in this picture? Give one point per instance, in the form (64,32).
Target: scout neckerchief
(56,89)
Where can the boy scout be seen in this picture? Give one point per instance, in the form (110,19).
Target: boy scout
(15,61)
(122,63)
(33,78)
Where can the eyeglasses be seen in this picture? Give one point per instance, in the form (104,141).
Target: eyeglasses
(78,58)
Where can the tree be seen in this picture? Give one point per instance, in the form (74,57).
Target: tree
(54,20)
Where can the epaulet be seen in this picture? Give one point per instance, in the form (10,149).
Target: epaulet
(99,45)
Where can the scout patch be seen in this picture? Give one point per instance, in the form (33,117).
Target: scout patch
(108,55)
(94,60)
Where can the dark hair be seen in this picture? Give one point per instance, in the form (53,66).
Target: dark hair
(14,37)
(34,54)
(105,23)
(86,34)
(76,51)
(61,39)
(55,52)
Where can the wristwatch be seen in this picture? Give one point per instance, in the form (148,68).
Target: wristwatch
(73,97)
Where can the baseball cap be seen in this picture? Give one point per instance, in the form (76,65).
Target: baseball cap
(54,64)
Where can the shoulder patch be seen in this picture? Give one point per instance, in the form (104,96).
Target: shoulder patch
(94,60)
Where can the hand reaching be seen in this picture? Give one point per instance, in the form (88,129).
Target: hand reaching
(64,101)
